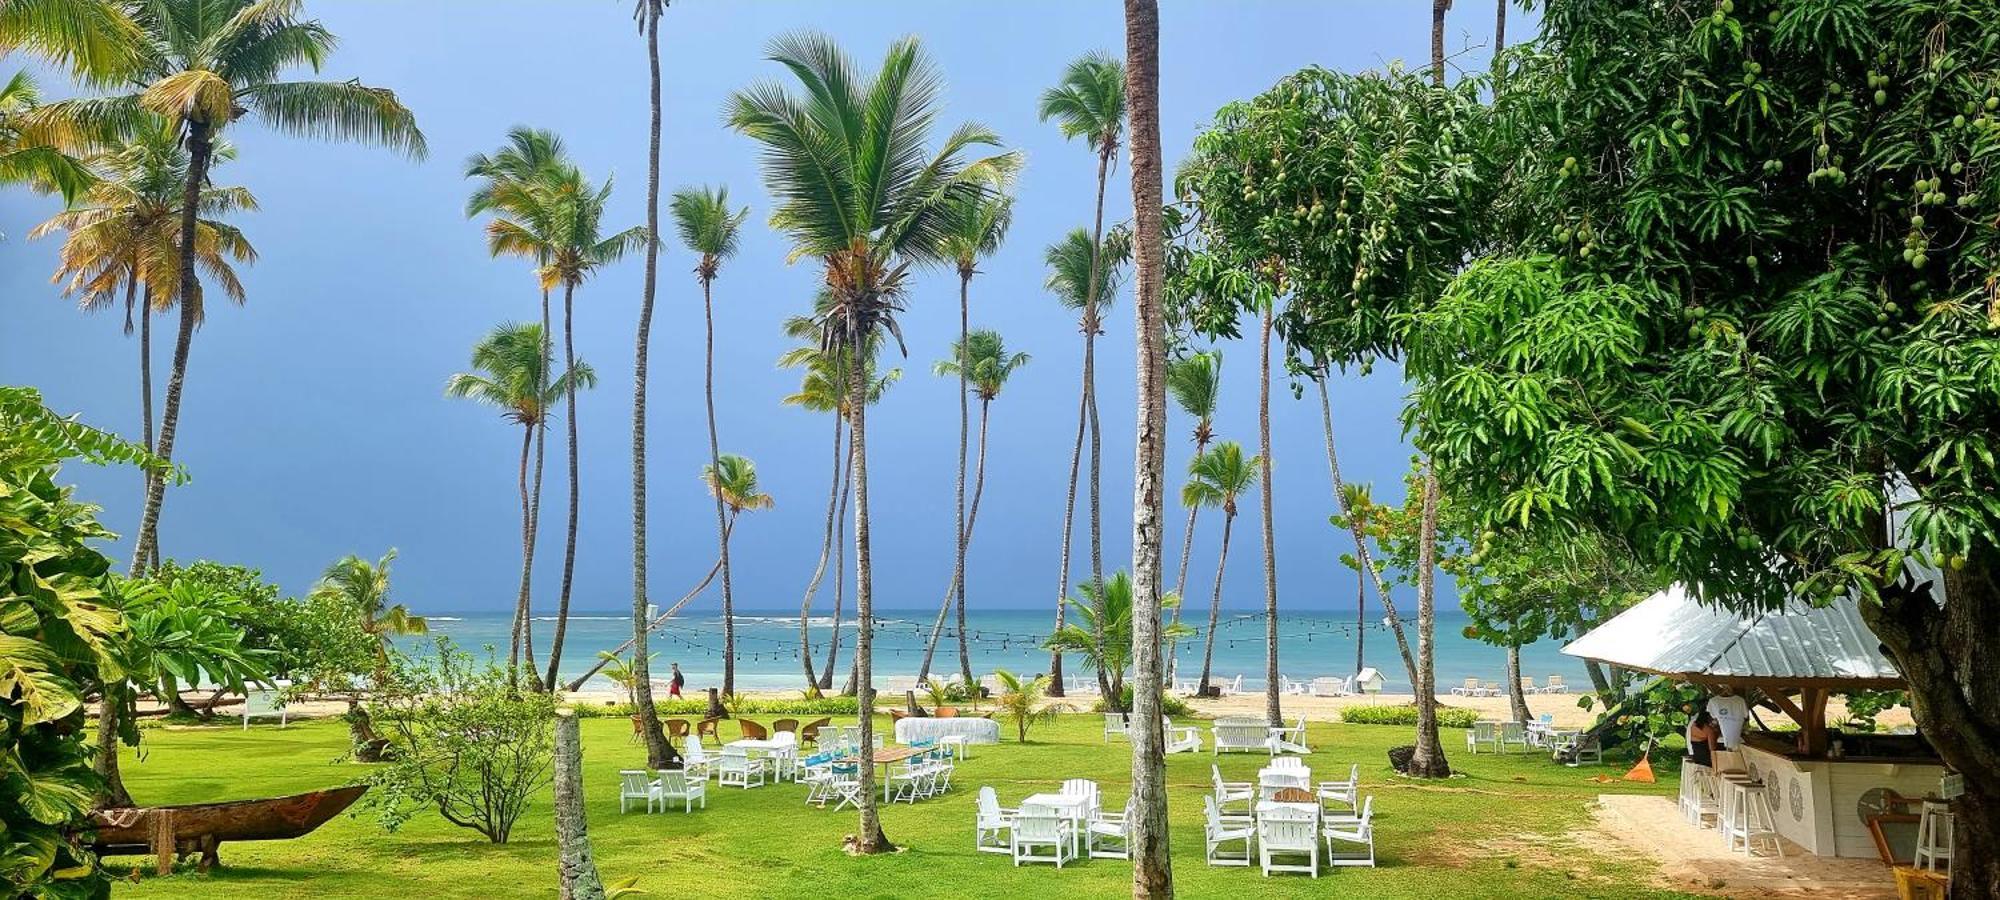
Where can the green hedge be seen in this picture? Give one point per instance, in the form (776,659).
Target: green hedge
(1448,717)
(824,706)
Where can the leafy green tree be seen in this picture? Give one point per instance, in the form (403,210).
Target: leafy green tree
(711,229)
(60,635)
(1216,478)
(1100,629)
(857,189)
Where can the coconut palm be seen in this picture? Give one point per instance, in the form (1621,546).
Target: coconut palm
(1217,478)
(202,66)
(658,753)
(1084,280)
(732,480)
(1022,702)
(511,373)
(513,188)
(976,233)
(1195,383)
(364,585)
(1101,633)
(856,188)
(708,227)
(823,388)
(122,235)
(95,39)
(982,365)
(29,153)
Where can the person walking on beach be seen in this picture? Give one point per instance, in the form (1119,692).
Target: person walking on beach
(674,686)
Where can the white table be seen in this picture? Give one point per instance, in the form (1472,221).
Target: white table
(764,749)
(1073,807)
(974,729)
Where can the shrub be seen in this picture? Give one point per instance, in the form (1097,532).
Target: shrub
(1447,717)
(1170,705)
(463,741)
(792,706)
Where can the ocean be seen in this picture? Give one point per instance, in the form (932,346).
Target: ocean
(1309,646)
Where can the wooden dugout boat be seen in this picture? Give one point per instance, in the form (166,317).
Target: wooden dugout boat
(166,831)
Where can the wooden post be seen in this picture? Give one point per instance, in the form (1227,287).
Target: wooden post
(163,840)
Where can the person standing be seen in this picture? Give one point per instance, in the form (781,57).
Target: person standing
(1702,734)
(674,686)
(1730,712)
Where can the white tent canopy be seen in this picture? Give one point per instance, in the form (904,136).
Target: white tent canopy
(1672,633)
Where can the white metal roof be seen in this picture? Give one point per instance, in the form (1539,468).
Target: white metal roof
(1672,633)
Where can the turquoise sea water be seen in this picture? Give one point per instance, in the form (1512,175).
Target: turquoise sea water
(1309,646)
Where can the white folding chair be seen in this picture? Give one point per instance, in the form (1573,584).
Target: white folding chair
(1287,831)
(636,784)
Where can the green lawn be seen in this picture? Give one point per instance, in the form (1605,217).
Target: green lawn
(1496,833)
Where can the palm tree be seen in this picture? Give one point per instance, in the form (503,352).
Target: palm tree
(514,190)
(622,672)
(1195,383)
(364,587)
(981,360)
(1022,702)
(32,153)
(1083,279)
(658,753)
(121,236)
(976,233)
(856,188)
(95,39)
(1217,478)
(732,480)
(511,373)
(1089,103)
(823,388)
(709,228)
(1102,633)
(203,66)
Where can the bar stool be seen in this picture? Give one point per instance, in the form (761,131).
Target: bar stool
(1934,836)
(1699,797)
(1746,817)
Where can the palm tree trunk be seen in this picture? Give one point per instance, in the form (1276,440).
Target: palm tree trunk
(1180,578)
(971,517)
(869,837)
(1069,521)
(576,866)
(1215,608)
(524,626)
(1152,865)
(1096,517)
(839,571)
(721,518)
(819,571)
(527,555)
(576,683)
(569,535)
(145,378)
(658,751)
(1429,760)
(1360,548)
(964,424)
(1271,707)
(201,147)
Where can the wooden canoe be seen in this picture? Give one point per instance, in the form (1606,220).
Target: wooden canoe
(202,827)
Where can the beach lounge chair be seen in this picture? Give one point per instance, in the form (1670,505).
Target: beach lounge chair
(1555,685)
(1359,830)
(1329,687)
(1109,834)
(991,823)
(1240,734)
(1218,829)
(635,784)
(1528,685)
(1180,738)
(1489,689)
(1484,731)
(1232,686)
(1469,689)
(1041,826)
(675,785)
(1288,831)
(263,703)
(1227,792)
(1115,723)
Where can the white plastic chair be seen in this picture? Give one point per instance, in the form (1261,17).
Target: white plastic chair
(991,824)
(1115,723)
(1041,826)
(1359,830)
(1218,829)
(635,784)
(1288,831)
(1109,835)
(1342,791)
(1227,792)
(676,786)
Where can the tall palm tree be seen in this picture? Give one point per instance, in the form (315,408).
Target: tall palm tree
(122,235)
(710,229)
(732,479)
(1152,868)
(96,40)
(1089,103)
(856,188)
(514,187)
(658,753)
(1195,383)
(34,153)
(203,66)
(580,248)
(976,233)
(1083,279)
(511,373)
(823,388)
(981,361)
(1217,478)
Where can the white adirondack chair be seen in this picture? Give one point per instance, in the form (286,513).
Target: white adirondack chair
(695,760)
(1290,740)
(263,703)
(992,823)
(1116,723)
(1344,792)
(739,770)
(1227,792)
(1181,738)
(1218,829)
(1359,831)
(1483,732)
(1248,735)
(675,785)
(1109,834)
(636,784)
(1288,832)
(1041,826)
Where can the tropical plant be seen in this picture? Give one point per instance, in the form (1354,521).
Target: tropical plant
(856,188)
(186,633)
(710,228)
(977,232)
(1100,631)
(202,66)
(364,585)
(59,643)
(622,672)
(29,153)
(511,373)
(1216,478)
(96,40)
(732,480)
(658,753)
(1083,279)
(1024,702)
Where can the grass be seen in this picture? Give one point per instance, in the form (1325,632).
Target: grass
(1498,832)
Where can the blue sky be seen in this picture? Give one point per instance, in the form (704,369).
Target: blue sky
(315,424)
